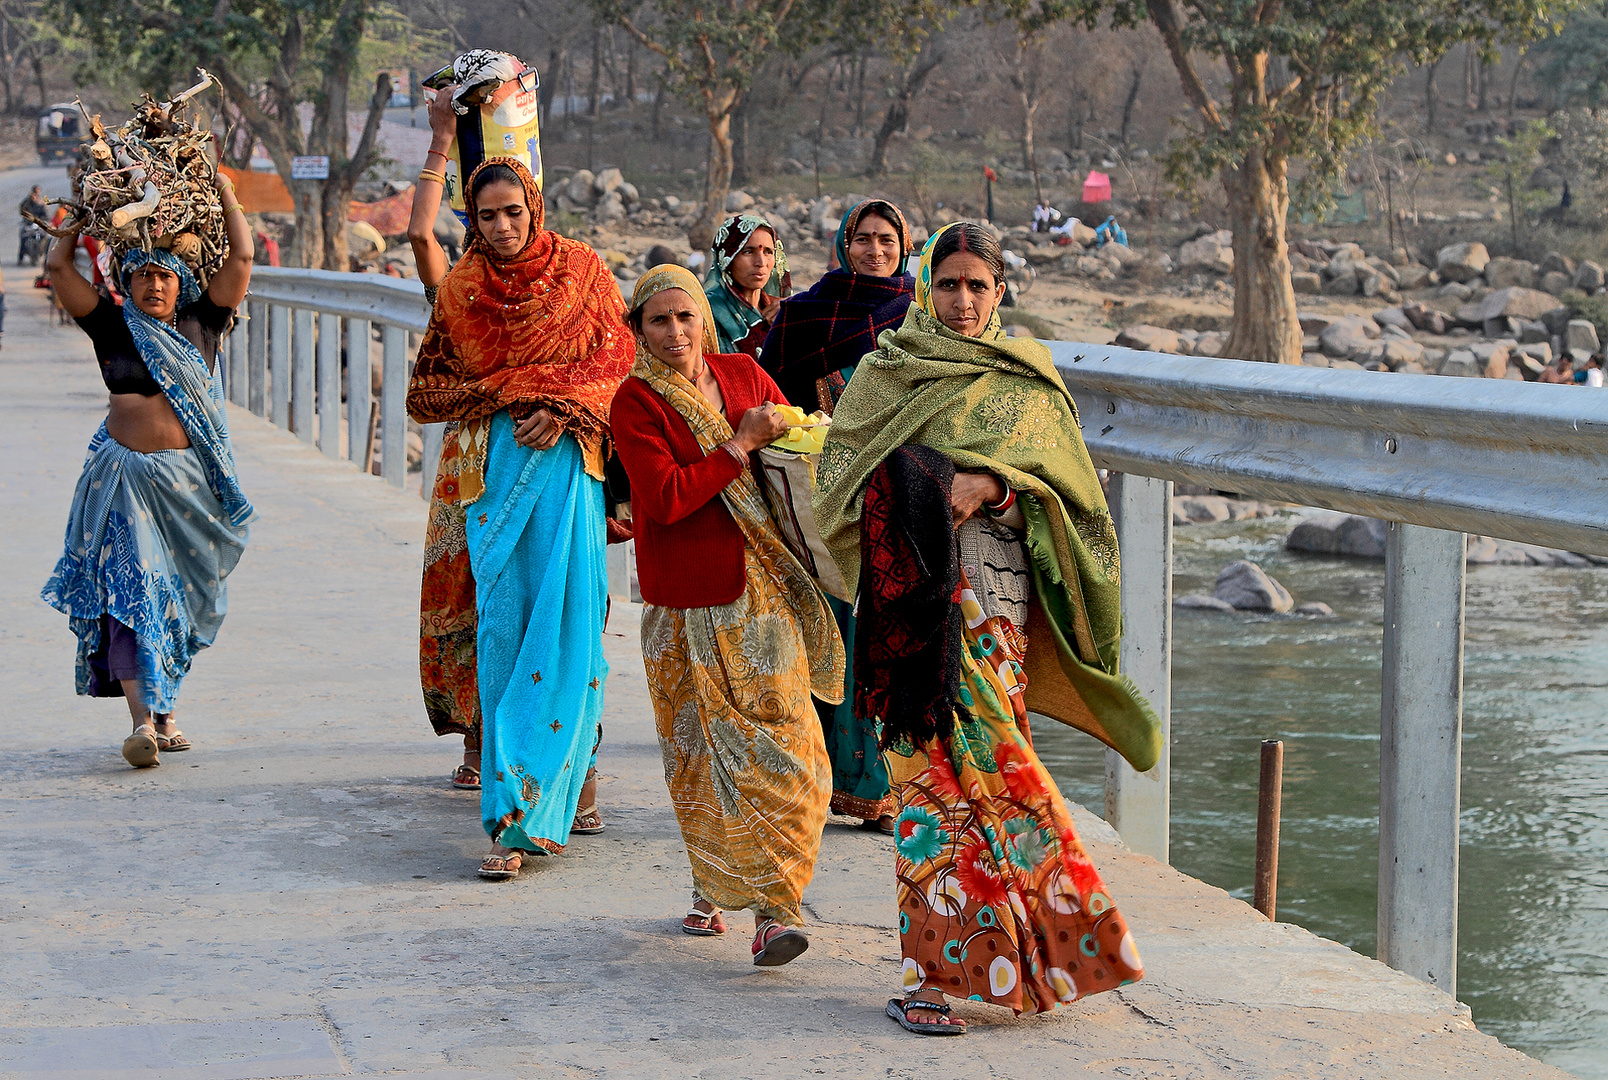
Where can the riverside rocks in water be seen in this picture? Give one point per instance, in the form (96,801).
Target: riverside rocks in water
(1202,602)
(1248,587)
(1328,532)
(1210,509)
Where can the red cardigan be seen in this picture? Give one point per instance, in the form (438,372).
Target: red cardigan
(689,550)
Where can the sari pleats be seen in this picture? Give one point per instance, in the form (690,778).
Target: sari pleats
(535,540)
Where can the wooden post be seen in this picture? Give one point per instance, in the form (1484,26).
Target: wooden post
(1270,793)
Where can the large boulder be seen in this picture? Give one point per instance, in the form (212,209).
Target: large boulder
(1462,262)
(1491,357)
(1249,588)
(1555,261)
(1211,343)
(1213,252)
(1516,302)
(1412,276)
(1348,337)
(738,200)
(1397,354)
(609,209)
(1306,283)
(1461,362)
(578,188)
(1556,282)
(1199,509)
(1427,319)
(1581,334)
(1344,283)
(1147,338)
(1503,272)
(1331,533)
(608,180)
(1588,278)
(1201,602)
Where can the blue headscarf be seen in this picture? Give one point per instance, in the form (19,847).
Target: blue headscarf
(178,367)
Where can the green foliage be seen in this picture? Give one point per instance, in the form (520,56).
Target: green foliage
(1306,77)
(1573,64)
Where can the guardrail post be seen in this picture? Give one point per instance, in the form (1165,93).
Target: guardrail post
(1139,804)
(257,342)
(357,389)
(1420,752)
(433,437)
(393,405)
(279,362)
(238,379)
(329,384)
(301,379)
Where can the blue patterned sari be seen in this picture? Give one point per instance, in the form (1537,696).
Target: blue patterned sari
(536,543)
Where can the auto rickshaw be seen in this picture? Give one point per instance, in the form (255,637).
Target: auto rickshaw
(61,131)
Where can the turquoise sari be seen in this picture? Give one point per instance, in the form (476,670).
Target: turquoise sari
(536,544)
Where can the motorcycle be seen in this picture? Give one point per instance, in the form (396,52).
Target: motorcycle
(32,243)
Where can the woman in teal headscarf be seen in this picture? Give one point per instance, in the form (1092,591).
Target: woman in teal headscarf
(158,520)
(747,279)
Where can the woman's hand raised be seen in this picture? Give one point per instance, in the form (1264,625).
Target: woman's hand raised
(760,426)
(443,120)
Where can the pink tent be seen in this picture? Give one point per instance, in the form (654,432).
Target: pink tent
(1097,188)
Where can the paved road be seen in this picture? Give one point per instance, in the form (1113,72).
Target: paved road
(296,896)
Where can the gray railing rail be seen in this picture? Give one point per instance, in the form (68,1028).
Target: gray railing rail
(288,365)
(1435,457)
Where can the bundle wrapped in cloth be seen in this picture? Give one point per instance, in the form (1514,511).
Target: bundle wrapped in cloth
(149,185)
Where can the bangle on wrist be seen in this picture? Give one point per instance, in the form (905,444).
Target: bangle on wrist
(439,153)
(1000,508)
(731,447)
(431,174)
(231,208)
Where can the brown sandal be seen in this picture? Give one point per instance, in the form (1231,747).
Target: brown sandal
(172,744)
(588,822)
(501,867)
(141,748)
(467,778)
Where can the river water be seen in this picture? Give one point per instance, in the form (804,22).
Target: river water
(1533,942)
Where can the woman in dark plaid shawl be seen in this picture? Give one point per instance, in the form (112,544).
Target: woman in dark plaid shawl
(818,338)
(820,334)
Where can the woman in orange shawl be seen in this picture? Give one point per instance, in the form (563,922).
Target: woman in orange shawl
(524,351)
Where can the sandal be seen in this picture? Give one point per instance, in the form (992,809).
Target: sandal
(467,778)
(775,944)
(587,821)
(883,824)
(501,867)
(140,749)
(172,743)
(712,923)
(899,1009)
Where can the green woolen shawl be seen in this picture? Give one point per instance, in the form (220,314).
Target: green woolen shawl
(996,404)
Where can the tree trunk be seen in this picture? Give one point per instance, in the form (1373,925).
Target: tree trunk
(718,179)
(1431,98)
(595,105)
(39,78)
(549,85)
(307,243)
(1266,326)
(1138,75)
(897,117)
(1029,150)
(739,143)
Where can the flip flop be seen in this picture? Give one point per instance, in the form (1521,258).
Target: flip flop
(708,928)
(141,748)
(897,1008)
(501,867)
(172,744)
(588,822)
(777,944)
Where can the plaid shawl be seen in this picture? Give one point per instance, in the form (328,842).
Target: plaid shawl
(542,329)
(824,331)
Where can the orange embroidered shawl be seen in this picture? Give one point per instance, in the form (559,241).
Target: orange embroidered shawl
(542,329)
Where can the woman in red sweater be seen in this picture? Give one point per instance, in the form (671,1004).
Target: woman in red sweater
(735,635)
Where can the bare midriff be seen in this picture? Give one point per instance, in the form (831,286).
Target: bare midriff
(145,424)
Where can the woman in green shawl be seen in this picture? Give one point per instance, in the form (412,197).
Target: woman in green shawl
(747,280)
(958,498)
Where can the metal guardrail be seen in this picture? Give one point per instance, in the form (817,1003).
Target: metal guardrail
(296,370)
(1435,457)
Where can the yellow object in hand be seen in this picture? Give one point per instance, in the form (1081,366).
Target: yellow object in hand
(805,433)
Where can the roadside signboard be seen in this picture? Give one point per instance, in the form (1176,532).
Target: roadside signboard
(309,168)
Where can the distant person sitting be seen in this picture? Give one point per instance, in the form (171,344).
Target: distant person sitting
(1559,372)
(1045,217)
(1591,374)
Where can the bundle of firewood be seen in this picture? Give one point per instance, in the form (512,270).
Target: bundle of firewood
(150,184)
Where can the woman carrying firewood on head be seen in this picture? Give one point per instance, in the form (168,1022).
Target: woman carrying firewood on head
(158,520)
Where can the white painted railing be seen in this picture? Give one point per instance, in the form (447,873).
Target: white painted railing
(1436,457)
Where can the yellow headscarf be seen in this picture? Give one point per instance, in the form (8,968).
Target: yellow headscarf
(671,276)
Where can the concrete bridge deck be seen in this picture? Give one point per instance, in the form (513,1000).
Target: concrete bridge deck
(296,896)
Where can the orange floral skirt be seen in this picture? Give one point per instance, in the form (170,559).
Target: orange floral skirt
(998,901)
